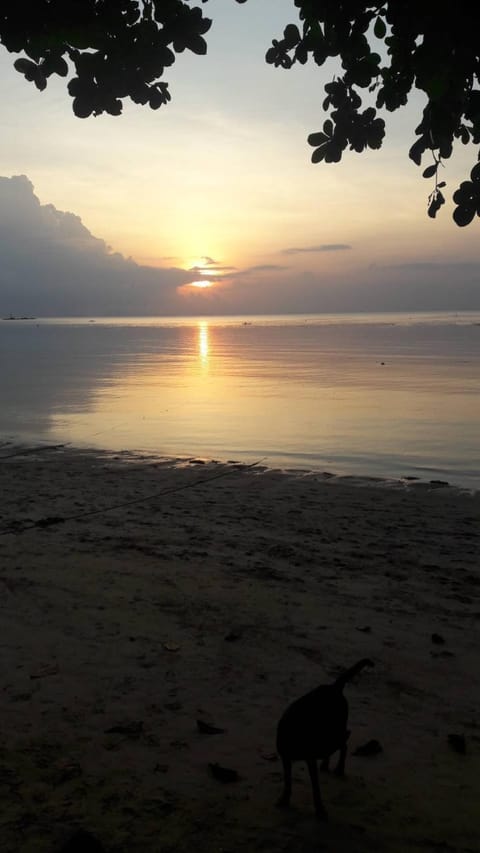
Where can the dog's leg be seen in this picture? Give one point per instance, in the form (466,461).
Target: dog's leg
(317,800)
(284,800)
(340,768)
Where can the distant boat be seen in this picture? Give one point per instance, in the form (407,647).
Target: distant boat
(12,317)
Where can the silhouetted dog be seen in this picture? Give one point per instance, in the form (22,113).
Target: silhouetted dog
(313,727)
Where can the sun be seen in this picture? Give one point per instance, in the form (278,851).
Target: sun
(203,283)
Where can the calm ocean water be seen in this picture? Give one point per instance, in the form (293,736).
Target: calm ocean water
(381,395)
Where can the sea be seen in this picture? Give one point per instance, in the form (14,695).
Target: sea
(388,396)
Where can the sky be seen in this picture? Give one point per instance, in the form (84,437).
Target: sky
(128,215)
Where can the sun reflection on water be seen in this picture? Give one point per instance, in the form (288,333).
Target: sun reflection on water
(203,343)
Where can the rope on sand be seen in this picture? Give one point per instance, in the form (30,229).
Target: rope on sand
(53,520)
(30,450)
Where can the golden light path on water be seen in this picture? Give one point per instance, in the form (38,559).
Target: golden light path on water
(203,346)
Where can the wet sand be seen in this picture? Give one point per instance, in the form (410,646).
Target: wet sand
(226,595)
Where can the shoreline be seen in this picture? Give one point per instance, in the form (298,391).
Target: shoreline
(222,597)
(14,447)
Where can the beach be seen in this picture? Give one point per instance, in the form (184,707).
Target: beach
(157,592)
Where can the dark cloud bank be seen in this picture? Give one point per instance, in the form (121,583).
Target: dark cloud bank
(50,264)
(324,247)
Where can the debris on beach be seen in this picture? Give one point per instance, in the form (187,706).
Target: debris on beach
(438,640)
(65,770)
(232,636)
(281,550)
(443,654)
(173,706)
(50,520)
(458,743)
(131,729)
(82,842)
(44,671)
(207,729)
(223,774)
(372,747)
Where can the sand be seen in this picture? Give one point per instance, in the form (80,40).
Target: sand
(223,598)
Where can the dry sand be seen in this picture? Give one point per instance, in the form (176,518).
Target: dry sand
(121,618)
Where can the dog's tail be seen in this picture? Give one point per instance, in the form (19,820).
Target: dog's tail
(351,673)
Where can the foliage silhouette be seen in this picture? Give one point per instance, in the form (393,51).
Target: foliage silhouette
(116,49)
(425,45)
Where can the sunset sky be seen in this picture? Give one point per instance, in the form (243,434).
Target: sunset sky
(220,179)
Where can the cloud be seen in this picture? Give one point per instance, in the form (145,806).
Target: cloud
(52,264)
(324,247)
(261,268)
(230,273)
(415,266)
(312,292)
(204,270)
(246,272)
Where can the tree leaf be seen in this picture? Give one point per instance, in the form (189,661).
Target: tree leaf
(317,139)
(291,35)
(40,80)
(430,171)
(475,173)
(25,66)
(82,108)
(379,29)
(319,154)
(416,151)
(197,45)
(61,67)
(463,215)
